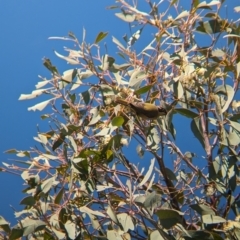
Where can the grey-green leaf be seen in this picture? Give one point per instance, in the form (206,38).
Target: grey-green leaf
(202,209)
(211,219)
(197,131)
(127,17)
(126,221)
(136,78)
(186,112)
(169,217)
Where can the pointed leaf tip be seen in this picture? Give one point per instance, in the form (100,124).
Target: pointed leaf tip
(100,36)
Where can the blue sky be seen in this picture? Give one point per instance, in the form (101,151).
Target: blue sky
(25,28)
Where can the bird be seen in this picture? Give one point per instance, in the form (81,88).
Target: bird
(144,110)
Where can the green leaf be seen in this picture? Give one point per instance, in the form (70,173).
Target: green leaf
(235,106)
(180,197)
(197,131)
(235,117)
(216,166)
(72,143)
(118,121)
(233,138)
(178,89)
(84,75)
(211,27)
(58,197)
(43,139)
(29,201)
(224,137)
(152,201)
(135,37)
(112,7)
(139,199)
(126,221)
(156,235)
(58,142)
(11,151)
(203,5)
(235,125)
(62,217)
(115,141)
(198,235)
(171,174)
(117,43)
(143,90)
(168,217)
(221,187)
(121,67)
(233,180)
(186,112)
(211,219)
(107,90)
(107,62)
(31,226)
(117,75)
(47,63)
(86,97)
(109,154)
(228,91)
(47,185)
(202,209)
(213,121)
(87,210)
(23,154)
(34,94)
(45,116)
(16,233)
(127,17)
(69,75)
(3,221)
(71,229)
(94,221)
(173,2)
(40,106)
(105,131)
(96,116)
(72,35)
(207,5)
(4,225)
(153,139)
(112,214)
(182,175)
(137,76)
(170,126)
(121,55)
(100,37)
(148,174)
(70,60)
(182,15)
(115,234)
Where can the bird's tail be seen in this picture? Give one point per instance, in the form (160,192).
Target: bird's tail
(121,101)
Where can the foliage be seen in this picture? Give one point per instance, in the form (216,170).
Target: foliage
(84,181)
